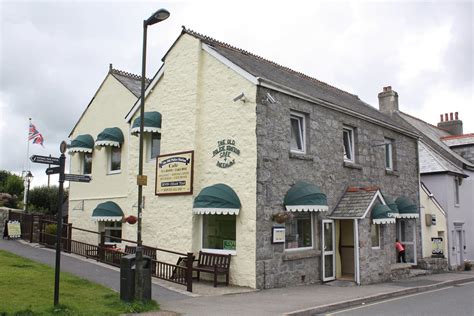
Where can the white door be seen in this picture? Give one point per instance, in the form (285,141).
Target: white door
(459,247)
(328,252)
(406,233)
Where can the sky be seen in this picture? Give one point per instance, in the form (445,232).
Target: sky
(55,54)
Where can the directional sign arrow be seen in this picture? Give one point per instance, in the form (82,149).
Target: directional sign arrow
(53,170)
(77,178)
(45,159)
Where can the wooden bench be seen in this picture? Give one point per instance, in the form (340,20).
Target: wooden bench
(213,263)
(150,252)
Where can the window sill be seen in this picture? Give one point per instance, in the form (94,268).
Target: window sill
(114,172)
(391,173)
(301,156)
(221,251)
(300,254)
(352,165)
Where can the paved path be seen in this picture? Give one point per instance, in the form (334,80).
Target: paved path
(96,272)
(300,300)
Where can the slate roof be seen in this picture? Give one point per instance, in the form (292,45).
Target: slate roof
(432,162)
(354,203)
(131,81)
(431,136)
(459,140)
(272,72)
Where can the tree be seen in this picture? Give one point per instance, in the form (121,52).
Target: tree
(44,199)
(13,185)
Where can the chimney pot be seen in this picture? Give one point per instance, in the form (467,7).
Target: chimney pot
(441,117)
(451,116)
(446,117)
(451,123)
(456,116)
(388,100)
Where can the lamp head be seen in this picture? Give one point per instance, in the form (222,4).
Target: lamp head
(29,175)
(157,17)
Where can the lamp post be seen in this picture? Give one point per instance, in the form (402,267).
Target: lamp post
(28,178)
(156,17)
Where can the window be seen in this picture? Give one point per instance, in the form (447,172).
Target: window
(456,190)
(113,229)
(115,159)
(375,235)
(87,163)
(298,142)
(155,141)
(299,231)
(348,140)
(218,232)
(388,154)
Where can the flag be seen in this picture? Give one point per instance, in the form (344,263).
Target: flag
(35,136)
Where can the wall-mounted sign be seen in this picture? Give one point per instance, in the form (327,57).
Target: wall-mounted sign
(278,235)
(226,152)
(228,244)
(174,173)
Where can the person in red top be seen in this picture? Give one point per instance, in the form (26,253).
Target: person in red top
(400,250)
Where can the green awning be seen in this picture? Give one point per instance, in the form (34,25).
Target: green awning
(392,205)
(217,199)
(107,212)
(152,123)
(111,136)
(82,143)
(382,214)
(406,208)
(305,197)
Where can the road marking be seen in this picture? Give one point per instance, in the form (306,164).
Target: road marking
(363,305)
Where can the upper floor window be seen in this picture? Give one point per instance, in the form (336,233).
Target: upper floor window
(298,127)
(87,163)
(115,159)
(456,190)
(155,142)
(348,141)
(388,154)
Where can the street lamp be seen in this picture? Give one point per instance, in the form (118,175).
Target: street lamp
(28,178)
(156,17)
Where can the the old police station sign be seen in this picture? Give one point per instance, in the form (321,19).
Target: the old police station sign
(226,152)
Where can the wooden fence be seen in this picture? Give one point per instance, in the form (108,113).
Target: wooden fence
(179,272)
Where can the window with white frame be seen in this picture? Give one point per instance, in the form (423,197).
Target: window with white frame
(113,230)
(155,142)
(87,163)
(375,235)
(298,127)
(388,154)
(218,232)
(115,159)
(348,141)
(299,231)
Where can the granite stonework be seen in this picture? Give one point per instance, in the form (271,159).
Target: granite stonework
(323,165)
(467,152)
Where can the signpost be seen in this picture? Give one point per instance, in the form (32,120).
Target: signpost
(62,177)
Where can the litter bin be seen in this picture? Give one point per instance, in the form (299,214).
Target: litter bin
(127,278)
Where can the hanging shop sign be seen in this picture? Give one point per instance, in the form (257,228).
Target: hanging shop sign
(174,173)
(226,152)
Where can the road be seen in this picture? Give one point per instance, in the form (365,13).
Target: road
(454,300)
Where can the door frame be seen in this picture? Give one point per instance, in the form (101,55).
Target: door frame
(325,253)
(399,235)
(357,252)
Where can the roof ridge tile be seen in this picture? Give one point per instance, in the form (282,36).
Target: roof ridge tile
(127,74)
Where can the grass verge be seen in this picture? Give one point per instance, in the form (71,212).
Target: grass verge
(27,288)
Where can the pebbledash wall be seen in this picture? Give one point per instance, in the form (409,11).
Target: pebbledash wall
(323,165)
(107,109)
(195,98)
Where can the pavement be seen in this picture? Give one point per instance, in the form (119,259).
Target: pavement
(206,300)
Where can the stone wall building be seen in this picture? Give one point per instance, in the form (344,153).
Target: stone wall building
(299,181)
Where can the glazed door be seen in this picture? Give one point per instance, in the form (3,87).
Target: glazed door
(328,252)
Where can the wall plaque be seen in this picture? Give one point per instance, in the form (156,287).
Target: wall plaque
(174,173)
(226,152)
(278,235)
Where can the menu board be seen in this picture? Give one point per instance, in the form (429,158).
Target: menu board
(174,173)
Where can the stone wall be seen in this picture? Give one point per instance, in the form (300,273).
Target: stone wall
(323,165)
(467,152)
(434,264)
(3,218)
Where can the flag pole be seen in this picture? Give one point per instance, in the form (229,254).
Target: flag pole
(27,165)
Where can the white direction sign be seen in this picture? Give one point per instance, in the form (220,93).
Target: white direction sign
(45,159)
(77,178)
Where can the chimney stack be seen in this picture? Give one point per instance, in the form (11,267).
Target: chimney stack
(388,100)
(451,124)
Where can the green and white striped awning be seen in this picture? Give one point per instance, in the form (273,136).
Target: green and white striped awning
(152,123)
(111,136)
(392,205)
(407,208)
(305,197)
(382,214)
(107,212)
(217,199)
(82,143)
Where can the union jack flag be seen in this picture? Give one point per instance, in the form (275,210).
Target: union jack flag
(35,136)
